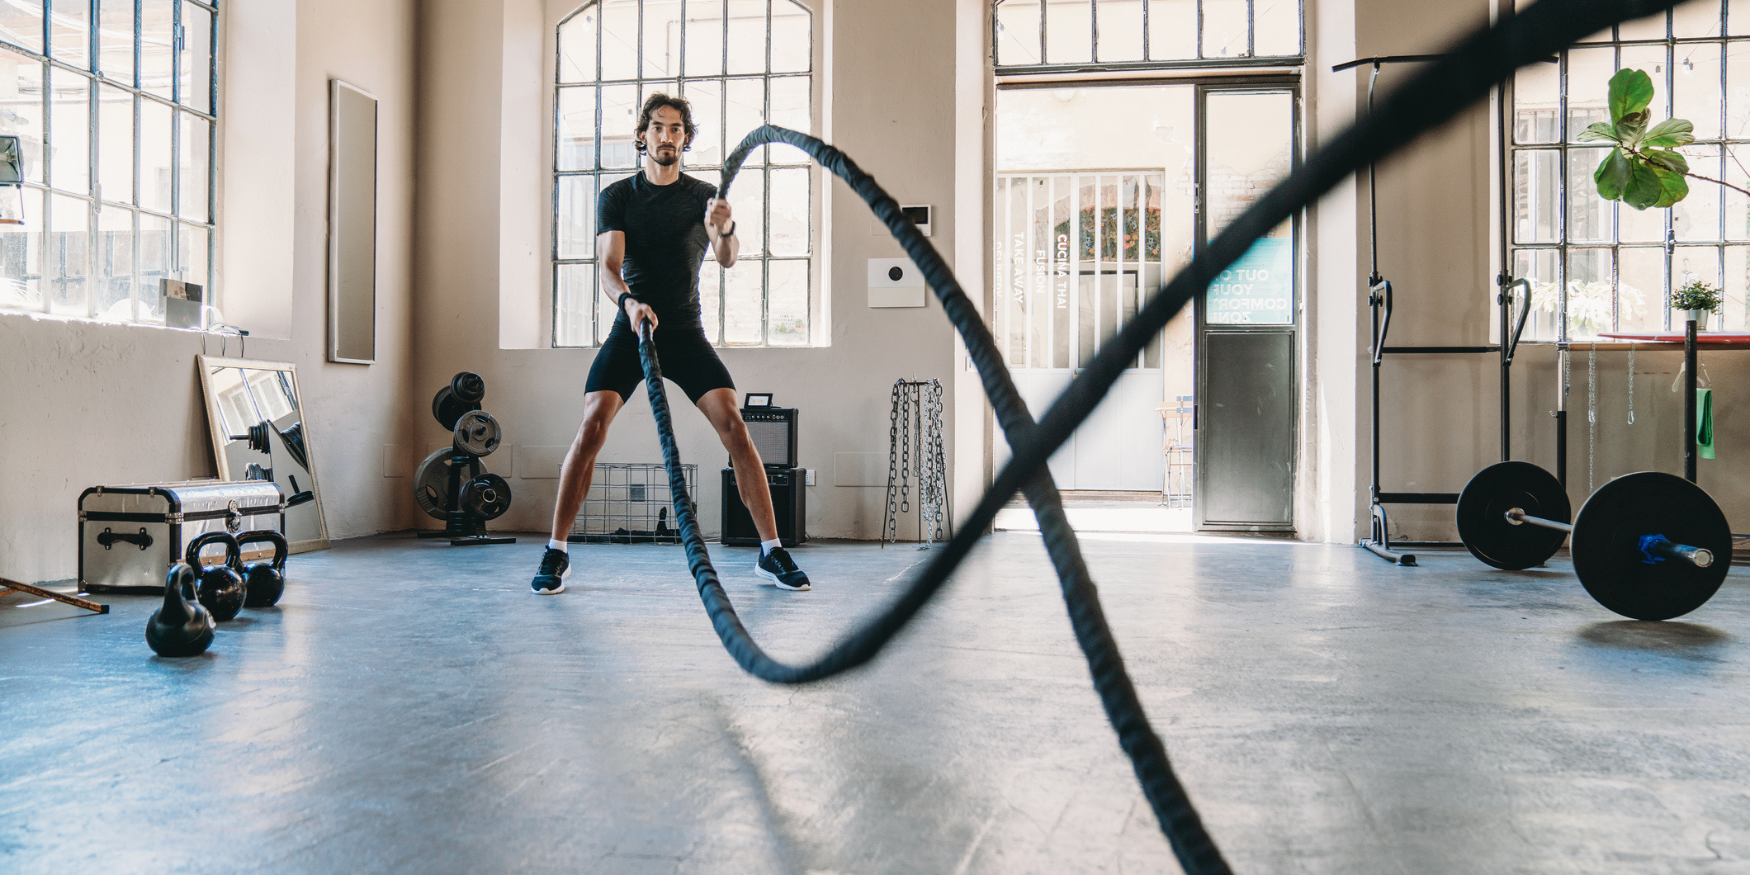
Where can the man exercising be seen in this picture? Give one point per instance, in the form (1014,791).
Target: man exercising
(652,231)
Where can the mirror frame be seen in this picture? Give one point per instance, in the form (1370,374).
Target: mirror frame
(352,234)
(207,363)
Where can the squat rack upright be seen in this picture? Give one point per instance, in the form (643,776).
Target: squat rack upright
(1379,303)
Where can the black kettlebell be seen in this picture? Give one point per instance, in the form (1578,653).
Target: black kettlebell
(220,586)
(181,627)
(263,582)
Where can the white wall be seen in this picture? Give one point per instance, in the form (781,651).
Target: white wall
(85,403)
(891,107)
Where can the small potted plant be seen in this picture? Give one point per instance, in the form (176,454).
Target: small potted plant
(1695,300)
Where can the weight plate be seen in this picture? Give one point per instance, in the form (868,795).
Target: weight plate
(469,387)
(448,408)
(1607,545)
(477,433)
(431,481)
(486,496)
(1482,515)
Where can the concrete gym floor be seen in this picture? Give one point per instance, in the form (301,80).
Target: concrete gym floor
(412,707)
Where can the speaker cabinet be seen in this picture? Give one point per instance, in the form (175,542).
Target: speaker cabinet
(789,504)
(773,430)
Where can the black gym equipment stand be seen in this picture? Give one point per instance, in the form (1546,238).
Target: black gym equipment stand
(461,527)
(1379,303)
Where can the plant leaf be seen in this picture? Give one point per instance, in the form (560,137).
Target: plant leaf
(1633,128)
(1630,91)
(1673,188)
(1667,159)
(1612,175)
(1600,131)
(1670,133)
(1644,188)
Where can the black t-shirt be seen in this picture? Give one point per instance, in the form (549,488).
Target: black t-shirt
(665,242)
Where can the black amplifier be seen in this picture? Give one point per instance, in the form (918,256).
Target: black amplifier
(773,430)
(789,505)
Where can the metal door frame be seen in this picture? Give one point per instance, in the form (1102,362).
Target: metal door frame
(1200,234)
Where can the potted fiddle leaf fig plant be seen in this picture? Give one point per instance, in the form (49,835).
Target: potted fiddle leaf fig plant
(1644,169)
(1694,301)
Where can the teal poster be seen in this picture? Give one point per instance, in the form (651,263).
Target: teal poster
(1256,290)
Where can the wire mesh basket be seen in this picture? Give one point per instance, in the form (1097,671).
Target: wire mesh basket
(630,503)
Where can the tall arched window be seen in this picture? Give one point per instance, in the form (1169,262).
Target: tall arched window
(740,63)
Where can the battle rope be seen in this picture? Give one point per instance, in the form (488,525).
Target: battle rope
(1432,97)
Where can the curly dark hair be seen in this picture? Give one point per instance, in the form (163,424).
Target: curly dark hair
(658,100)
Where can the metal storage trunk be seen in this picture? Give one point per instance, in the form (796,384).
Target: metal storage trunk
(129,535)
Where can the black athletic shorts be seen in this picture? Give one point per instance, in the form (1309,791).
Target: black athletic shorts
(686,357)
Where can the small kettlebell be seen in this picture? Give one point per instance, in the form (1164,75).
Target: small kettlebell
(220,586)
(264,582)
(181,627)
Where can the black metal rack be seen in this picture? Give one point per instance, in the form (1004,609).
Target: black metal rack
(1379,302)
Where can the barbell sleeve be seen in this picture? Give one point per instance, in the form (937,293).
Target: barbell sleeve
(1517,516)
(1660,546)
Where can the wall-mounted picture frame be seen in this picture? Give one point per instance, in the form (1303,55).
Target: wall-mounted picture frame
(352,224)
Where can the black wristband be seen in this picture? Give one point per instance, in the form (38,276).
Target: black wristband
(623,297)
(731,231)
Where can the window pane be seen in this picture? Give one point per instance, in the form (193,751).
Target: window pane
(792,38)
(115,264)
(662,39)
(619,39)
(1590,297)
(1588,214)
(115,40)
(1697,217)
(1640,226)
(791,109)
(1738,86)
(70,32)
(790,204)
(195,67)
(1224,28)
(706,96)
(747,36)
(154,254)
(157,46)
(70,131)
(69,255)
(1536,185)
(1589,72)
(619,126)
(788,300)
(649,87)
(1536,105)
(575,223)
(1738,17)
(1120,30)
(748,199)
(1539,266)
(1696,18)
(1276,26)
(21,108)
(1695,92)
(155,156)
(574,302)
(21,23)
(197,134)
(1640,294)
(191,256)
(576,148)
(742,303)
(1172,29)
(115,144)
(747,110)
(1691,264)
(704,38)
(710,303)
(1737,205)
(577,47)
(1652,59)
(1017,32)
(1736,307)
(1651,27)
(1069,32)
(21,257)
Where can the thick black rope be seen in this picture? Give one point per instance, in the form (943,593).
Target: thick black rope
(1433,97)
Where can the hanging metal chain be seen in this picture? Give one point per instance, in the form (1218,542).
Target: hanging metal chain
(1591,414)
(890,520)
(1631,384)
(939,460)
(905,438)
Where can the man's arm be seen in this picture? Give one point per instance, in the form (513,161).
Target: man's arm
(610,252)
(720,229)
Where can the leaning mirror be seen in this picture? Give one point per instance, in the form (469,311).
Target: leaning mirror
(256,413)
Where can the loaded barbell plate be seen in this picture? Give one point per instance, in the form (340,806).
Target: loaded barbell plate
(1607,545)
(477,433)
(469,387)
(486,496)
(431,481)
(449,409)
(1482,515)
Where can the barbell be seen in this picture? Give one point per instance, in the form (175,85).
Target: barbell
(1648,545)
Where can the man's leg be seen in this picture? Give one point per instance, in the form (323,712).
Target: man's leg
(774,564)
(598,413)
